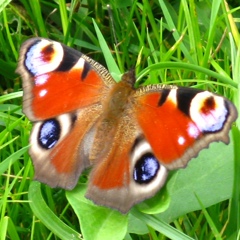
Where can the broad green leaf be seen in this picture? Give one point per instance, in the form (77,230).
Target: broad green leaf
(96,222)
(209,177)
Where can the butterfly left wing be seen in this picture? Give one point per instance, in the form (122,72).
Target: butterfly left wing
(63,90)
(178,122)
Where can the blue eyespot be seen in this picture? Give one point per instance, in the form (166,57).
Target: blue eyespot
(146,169)
(49,133)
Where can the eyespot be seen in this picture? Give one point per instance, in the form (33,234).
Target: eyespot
(146,169)
(209,112)
(43,56)
(49,133)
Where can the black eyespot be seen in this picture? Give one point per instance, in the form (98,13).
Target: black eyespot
(49,133)
(146,169)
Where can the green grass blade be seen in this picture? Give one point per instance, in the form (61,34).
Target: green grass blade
(172,27)
(180,65)
(161,226)
(64,17)
(11,159)
(112,66)
(48,218)
(234,221)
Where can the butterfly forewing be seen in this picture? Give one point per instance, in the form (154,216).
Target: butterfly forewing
(185,121)
(58,79)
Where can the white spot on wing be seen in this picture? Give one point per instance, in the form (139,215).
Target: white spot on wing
(173,96)
(43,93)
(193,131)
(40,80)
(181,140)
(79,64)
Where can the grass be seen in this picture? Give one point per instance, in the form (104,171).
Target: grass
(188,43)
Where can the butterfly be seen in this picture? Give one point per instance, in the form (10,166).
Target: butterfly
(130,137)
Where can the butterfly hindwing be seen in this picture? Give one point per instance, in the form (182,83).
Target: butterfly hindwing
(128,172)
(60,147)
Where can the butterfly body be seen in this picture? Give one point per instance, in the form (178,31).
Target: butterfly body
(131,137)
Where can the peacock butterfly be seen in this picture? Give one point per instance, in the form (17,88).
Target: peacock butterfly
(131,137)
